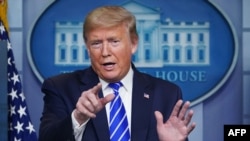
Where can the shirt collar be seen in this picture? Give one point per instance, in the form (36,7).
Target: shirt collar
(126,81)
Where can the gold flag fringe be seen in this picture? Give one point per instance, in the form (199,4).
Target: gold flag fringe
(3,13)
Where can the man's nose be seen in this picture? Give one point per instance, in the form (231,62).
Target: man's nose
(105,50)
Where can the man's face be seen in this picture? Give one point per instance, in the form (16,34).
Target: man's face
(110,50)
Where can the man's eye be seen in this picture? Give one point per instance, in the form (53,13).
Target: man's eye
(96,44)
(115,42)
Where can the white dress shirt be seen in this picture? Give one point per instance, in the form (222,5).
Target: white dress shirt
(125,93)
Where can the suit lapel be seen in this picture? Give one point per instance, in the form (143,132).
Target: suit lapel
(141,107)
(100,124)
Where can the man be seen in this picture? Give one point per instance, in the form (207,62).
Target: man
(77,105)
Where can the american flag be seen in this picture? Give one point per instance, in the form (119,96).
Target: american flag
(20,126)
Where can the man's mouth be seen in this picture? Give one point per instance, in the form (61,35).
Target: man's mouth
(108,66)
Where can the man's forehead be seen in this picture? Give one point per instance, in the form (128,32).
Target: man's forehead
(113,32)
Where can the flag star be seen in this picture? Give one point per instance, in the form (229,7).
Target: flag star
(10,128)
(19,127)
(13,94)
(12,110)
(30,128)
(8,45)
(22,96)
(9,61)
(15,78)
(17,139)
(8,77)
(21,111)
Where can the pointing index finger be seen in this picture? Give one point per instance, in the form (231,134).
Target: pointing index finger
(96,88)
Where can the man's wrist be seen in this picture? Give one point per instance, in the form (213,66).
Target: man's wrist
(79,117)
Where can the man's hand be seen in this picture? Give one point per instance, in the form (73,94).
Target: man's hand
(89,104)
(177,127)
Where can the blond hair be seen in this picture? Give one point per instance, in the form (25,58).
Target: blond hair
(110,16)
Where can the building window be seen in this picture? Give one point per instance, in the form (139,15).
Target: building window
(165,37)
(147,55)
(74,53)
(86,55)
(201,54)
(166,53)
(147,37)
(177,37)
(189,37)
(201,37)
(74,37)
(189,53)
(63,37)
(177,53)
(62,53)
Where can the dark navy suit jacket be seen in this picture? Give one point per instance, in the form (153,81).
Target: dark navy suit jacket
(62,92)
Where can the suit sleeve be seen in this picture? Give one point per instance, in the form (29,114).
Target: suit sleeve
(56,123)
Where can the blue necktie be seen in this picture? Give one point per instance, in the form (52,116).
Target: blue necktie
(118,122)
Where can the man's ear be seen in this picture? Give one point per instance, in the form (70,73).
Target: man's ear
(134,44)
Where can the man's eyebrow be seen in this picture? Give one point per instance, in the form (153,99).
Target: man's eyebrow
(96,40)
(113,38)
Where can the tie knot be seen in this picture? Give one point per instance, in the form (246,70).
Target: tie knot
(115,86)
